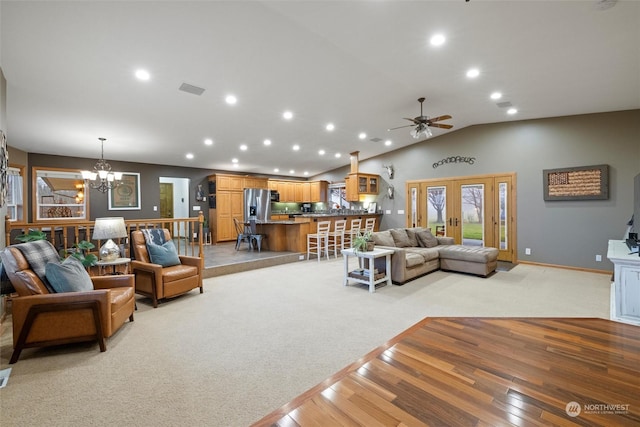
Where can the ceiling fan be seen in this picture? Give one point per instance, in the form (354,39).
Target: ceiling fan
(422,123)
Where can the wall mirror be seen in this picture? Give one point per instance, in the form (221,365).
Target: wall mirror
(16,194)
(59,195)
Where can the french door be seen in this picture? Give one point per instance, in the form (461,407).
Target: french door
(475,211)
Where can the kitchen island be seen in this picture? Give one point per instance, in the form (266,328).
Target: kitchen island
(291,234)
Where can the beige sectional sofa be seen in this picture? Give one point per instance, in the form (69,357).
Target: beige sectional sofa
(417,252)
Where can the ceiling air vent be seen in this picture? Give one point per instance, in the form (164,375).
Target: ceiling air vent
(186,87)
(375,140)
(504,104)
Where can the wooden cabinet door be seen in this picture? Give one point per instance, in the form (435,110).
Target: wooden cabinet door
(306,192)
(352,188)
(282,190)
(298,192)
(223,182)
(273,185)
(319,190)
(290,192)
(225,228)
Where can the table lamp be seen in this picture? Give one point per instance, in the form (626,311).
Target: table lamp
(109,228)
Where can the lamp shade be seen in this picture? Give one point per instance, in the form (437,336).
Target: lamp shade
(109,228)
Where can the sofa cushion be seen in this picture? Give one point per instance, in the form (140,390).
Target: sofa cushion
(68,276)
(413,259)
(400,237)
(166,255)
(383,238)
(411,234)
(469,253)
(427,253)
(426,239)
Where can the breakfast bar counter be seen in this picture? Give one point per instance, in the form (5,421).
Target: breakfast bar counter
(291,234)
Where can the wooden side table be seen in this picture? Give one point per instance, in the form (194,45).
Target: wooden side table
(370,278)
(116,262)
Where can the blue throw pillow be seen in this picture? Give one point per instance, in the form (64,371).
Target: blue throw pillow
(165,255)
(68,276)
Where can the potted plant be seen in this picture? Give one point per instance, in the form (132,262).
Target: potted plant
(363,242)
(81,251)
(31,235)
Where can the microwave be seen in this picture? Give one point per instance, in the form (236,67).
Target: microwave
(275,196)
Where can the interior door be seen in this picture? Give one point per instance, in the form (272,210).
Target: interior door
(504,208)
(438,206)
(471,221)
(166,200)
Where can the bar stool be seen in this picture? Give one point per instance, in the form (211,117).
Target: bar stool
(370,224)
(336,237)
(319,241)
(353,231)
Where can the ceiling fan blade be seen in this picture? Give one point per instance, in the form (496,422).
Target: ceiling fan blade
(437,119)
(411,120)
(440,125)
(399,127)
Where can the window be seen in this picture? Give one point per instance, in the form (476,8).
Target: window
(338,196)
(15,194)
(59,194)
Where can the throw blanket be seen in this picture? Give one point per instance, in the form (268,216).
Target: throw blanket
(38,254)
(154,236)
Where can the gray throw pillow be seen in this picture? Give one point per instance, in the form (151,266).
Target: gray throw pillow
(400,237)
(166,255)
(411,234)
(426,239)
(68,276)
(383,238)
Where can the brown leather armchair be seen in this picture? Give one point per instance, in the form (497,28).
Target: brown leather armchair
(159,282)
(41,318)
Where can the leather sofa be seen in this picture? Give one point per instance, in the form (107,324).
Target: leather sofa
(417,252)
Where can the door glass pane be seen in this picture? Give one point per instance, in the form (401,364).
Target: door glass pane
(502,189)
(414,207)
(472,214)
(437,210)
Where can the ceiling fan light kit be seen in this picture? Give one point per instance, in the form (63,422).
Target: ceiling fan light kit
(423,124)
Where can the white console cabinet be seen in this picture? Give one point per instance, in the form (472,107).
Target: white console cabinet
(625,290)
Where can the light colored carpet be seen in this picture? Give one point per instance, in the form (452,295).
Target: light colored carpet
(257,339)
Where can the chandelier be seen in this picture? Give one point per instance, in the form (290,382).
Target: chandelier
(102,178)
(421,131)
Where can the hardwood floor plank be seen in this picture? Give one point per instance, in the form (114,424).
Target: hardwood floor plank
(484,372)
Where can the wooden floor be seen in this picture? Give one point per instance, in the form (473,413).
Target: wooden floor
(484,372)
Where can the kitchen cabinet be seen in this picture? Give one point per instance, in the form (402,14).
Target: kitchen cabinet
(318,191)
(361,184)
(225,203)
(252,182)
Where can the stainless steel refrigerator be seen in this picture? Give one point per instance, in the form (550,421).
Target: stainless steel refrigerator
(257,204)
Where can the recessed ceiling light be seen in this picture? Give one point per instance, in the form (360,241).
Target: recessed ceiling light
(306,173)
(338,155)
(437,40)
(296,147)
(473,73)
(276,170)
(362,135)
(330,127)
(234,160)
(231,99)
(321,152)
(143,74)
(189,156)
(267,142)
(288,115)
(387,142)
(292,171)
(208,141)
(243,147)
(496,95)
(512,111)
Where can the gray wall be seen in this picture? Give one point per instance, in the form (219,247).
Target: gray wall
(561,233)
(149,184)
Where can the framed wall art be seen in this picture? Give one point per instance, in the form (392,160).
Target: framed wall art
(126,196)
(577,183)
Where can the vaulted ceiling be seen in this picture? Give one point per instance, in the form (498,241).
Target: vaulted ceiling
(360,65)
